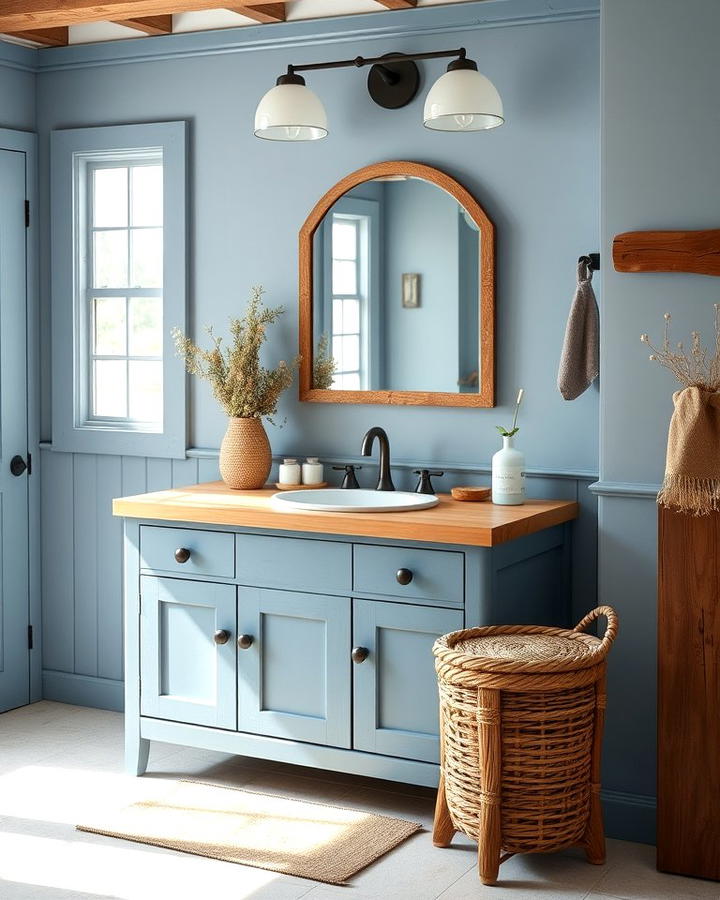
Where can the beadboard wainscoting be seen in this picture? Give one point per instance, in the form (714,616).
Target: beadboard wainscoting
(82,553)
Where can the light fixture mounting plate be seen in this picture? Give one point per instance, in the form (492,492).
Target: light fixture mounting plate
(394,84)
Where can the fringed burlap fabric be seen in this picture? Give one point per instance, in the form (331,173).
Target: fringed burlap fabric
(692,468)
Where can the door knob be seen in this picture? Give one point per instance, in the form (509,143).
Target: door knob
(17,465)
(182,555)
(221,636)
(245,641)
(359,654)
(404,576)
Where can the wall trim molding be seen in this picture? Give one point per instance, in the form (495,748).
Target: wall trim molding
(369,463)
(629,817)
(402,25)
(638,490)
(83,690)
(15,56)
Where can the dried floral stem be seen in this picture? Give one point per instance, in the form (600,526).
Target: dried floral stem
(689,367)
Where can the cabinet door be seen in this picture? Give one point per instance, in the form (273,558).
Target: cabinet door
(395,687)
(294,678)
(186,675)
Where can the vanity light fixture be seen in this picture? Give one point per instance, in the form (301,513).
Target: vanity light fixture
(460,100)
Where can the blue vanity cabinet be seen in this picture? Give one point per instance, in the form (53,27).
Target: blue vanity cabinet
(247,635)
(187,651)
(395,698)
(294,665)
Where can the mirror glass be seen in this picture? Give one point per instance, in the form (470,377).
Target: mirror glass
(397,286)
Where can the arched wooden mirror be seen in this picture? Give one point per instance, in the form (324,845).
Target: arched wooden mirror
(397,284)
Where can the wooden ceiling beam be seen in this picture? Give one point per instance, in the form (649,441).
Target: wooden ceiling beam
(397,4)
(32,15)
(48,37)
(269,12)
(149,24)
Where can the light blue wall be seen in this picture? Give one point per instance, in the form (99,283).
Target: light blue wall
(421,235)
(536,177)
(17,87)
(660,169)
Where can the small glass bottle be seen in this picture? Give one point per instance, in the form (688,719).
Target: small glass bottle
(312,471)
(508,475)
(289,472)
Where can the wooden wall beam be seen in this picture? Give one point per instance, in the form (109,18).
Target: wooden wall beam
(270,12)
(149,24)
(397,4)
(48,37)
(668,251)
(31,15)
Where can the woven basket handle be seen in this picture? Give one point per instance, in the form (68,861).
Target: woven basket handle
(611,629)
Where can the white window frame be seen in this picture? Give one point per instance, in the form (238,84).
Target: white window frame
(74,154)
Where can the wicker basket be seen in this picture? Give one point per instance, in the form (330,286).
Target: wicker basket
(521,711)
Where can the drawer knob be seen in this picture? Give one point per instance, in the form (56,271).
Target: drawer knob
(182,555)
(359,654)
(245,641)
(221,636)
(404,576)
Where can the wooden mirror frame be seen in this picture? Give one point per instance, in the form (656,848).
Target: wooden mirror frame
(486,394)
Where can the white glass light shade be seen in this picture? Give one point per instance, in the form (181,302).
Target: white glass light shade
(290,112)
(463,100)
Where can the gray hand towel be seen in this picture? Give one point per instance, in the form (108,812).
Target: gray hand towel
(579,362)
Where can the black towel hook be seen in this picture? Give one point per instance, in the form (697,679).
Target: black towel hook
(593,261)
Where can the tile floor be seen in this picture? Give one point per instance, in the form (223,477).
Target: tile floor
(60,763)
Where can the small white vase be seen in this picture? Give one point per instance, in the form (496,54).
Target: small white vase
(508,475)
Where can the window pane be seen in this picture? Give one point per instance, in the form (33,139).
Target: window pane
(344,239)
(344,277)
(351,316)
(337,317)
(349,382)
(346,351)
(110,388)
(110,329)
(110,259)
(147,258)
(146,391)
(147,195)
(110,198)
(146,326)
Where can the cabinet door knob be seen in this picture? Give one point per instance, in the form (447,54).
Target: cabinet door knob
(221,636)
(404,576)
(245,641)
(359,654)
(182,555)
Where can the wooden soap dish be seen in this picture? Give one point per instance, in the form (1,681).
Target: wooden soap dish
(300,487)
(471,494)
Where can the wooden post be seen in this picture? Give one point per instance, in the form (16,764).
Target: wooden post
(443,828)
(489,748)
(594,838)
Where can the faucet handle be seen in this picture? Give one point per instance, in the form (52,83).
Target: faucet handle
(349,482)
(424,485)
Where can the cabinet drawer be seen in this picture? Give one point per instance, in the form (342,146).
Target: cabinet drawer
(432,576)
(209,552)
(323,567)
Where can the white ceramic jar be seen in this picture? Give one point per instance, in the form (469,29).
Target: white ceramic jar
(508,475)
(312,471)
(289,472)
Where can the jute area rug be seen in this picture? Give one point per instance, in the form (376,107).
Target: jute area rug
(295,837)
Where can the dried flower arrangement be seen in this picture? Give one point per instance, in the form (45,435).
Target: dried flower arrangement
(324,366)
(692,468)
(690,368)
(241,385)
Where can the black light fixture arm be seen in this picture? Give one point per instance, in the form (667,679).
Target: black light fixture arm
(360,61)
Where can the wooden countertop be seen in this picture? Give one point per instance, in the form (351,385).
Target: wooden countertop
(451,522)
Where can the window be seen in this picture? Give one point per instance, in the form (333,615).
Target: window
(348,274)
(118,239)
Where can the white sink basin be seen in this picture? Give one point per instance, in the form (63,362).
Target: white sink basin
(352,501)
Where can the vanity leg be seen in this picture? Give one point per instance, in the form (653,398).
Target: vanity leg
(443,828)
(594,838)
(489,830)
(137,750)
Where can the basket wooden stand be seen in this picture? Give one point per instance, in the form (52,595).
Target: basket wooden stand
(522,710)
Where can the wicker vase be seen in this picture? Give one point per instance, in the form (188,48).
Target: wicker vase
(245,457)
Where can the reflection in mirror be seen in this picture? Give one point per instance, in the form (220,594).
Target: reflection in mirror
(396,290)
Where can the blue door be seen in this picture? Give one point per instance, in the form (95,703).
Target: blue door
(294,665)
(187,651)
(14,587)
(394,684)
